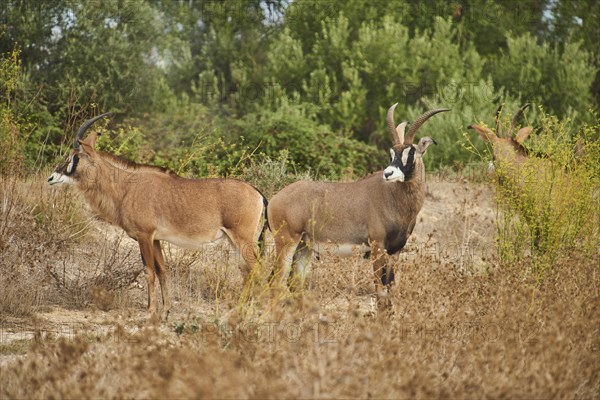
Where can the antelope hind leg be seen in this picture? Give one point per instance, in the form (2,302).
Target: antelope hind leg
(163,277)
(146,249)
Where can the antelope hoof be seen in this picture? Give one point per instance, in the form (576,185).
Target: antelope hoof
(153,317)
(164,315)
(384,305)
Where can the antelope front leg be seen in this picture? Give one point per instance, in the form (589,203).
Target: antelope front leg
(379,257)
(146,248)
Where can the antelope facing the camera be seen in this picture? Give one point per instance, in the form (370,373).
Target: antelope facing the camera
(376,214)
(153,204)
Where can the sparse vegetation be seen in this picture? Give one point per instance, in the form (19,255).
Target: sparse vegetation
(456,331)
(495,295)
(452,335)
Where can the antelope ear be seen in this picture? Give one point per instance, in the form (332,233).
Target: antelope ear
(424,143)
(522,134)
(400,131)
(88,145)
(485,133)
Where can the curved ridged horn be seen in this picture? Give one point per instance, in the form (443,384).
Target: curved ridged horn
(516,117)
(398,139)
(498,130)
(414,127)
(85,126)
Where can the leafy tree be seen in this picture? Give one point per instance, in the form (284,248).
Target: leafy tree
(546,74)
(578,21)
(315,78)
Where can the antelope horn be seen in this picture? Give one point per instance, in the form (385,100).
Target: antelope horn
(516,117)
(414,127)
(85,126)
(397,137)
(498,130)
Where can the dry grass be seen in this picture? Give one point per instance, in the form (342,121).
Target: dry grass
(52,252)
(451,335)
(456,331)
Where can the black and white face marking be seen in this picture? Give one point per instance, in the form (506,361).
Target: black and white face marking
(64,172)
(402,166)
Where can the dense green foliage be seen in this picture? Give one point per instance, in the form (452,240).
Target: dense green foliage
(212,86)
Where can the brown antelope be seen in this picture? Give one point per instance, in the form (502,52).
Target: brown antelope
(153,204)
(506,148)
(373,215)
(509,157)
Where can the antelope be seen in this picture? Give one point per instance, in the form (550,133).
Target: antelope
(509,155)
(374,215)
(153,204)
(506,148)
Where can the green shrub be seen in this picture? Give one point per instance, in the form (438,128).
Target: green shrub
(271,175)
(549,207)
(307,143)
(559,77)
(11,140)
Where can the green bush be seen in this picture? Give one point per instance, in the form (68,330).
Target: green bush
(558,78)
(307,143)
(12,143)
(271,175)
(550,206)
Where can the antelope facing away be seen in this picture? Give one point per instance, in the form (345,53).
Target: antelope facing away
(374,215)
(153,204)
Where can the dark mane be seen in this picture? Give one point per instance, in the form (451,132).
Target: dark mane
(130,165)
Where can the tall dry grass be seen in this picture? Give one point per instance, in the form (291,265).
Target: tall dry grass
(52,252)
(452,335)
(456,331)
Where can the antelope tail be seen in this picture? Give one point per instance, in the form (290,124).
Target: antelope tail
(261,237)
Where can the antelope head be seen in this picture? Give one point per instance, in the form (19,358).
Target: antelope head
(407,157)
(507,147)
(81,157)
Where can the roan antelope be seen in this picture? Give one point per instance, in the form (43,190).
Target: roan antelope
(506,148)
(509,155)
(376,214)
(153,204)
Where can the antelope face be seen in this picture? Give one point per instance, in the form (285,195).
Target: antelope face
(79,166)
(66,172)
(505,149)
(508,147)
(405,158)
(402,166)
(405,155)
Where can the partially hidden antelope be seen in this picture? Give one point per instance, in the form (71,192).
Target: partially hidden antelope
(374,215)
(507,148)
(509,156)
(153,204)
